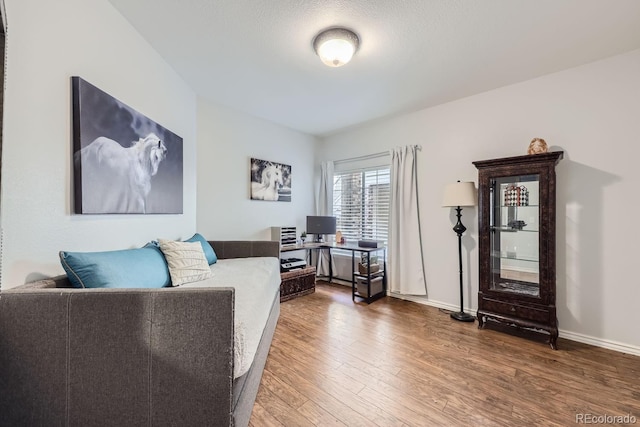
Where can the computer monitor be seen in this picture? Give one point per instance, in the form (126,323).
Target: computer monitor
(320,225)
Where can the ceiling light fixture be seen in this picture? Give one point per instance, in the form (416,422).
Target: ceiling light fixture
(336,46)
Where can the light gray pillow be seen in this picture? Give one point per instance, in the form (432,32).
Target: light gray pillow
(186,260)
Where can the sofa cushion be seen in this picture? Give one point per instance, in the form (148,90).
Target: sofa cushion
(130,268)
(206,247)
(186,260)
(257,284)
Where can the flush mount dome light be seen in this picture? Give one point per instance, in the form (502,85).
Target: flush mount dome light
(336,46)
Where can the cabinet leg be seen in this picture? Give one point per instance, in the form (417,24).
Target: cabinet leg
(480,321)
(553,339)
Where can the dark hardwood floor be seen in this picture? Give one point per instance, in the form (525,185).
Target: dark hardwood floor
(398,363)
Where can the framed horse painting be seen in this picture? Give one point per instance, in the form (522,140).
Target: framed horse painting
(123,162)
(270,181)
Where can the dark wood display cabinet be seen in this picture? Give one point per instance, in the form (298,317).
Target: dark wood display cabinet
(517,232)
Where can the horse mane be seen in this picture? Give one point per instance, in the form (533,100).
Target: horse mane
(268,179)
(271,180)
(145,146)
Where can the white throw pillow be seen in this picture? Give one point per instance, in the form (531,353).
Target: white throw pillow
(186,260)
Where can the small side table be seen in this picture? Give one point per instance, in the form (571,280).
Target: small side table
(297,283)
(369,285)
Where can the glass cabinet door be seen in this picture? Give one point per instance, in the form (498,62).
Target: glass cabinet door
(514,225)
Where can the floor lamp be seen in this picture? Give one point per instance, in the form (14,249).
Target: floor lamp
(458,195)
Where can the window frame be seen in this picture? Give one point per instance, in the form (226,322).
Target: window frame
(381,177)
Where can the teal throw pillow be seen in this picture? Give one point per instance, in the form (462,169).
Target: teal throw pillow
(209,253)
(129,268)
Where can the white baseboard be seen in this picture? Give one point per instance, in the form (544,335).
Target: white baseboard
(573,336)
(600,342)
(432,303)
(335,281)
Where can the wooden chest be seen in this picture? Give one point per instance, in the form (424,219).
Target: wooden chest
(297,283)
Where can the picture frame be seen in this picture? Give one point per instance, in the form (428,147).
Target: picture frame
(123,162)
(270,180)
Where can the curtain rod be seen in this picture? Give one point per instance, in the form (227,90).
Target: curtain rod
(366,157)
(369,156)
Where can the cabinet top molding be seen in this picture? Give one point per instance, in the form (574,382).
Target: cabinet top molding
(528,159)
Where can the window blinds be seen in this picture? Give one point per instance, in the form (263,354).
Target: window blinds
(361,203)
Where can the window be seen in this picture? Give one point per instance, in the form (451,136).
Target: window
(361,203)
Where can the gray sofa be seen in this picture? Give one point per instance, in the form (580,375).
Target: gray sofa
(98,357)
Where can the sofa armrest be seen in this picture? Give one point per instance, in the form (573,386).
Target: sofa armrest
(245,248)
(130,356)
(61,281)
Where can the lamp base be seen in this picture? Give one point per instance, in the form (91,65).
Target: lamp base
(463,317)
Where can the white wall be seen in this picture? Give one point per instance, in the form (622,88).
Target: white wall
(48,42)
(590,112)
(227,140)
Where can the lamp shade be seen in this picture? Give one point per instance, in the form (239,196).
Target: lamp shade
(336,46)
(460,194)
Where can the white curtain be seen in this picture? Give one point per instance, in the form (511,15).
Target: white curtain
(325,208)
(406,265)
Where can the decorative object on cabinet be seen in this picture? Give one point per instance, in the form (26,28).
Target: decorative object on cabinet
(517,243)
(538,146)
(516,195)
(458,195)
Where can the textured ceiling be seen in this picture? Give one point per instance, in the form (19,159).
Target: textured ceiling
(256,55)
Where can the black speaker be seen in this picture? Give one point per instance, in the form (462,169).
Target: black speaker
(369,243)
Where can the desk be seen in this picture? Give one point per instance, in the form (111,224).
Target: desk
(307,247)
(365,279)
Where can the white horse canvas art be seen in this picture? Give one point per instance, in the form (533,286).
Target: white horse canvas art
(117,179)
(124,162)
(270,181)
